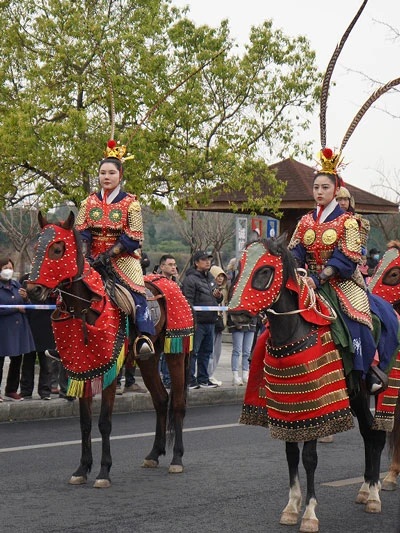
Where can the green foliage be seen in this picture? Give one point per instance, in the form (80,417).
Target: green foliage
(218,128)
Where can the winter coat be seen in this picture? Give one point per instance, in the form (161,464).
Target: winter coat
(251,326)
(15,332)
(40,323)
(197,288)
(216,271)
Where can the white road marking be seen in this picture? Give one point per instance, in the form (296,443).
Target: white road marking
(350,481)
(117,437)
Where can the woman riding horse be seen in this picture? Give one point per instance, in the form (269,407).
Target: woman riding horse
(327,241)
(110,224)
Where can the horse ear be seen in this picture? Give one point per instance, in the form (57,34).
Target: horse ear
(282,239)
(69,223)
(42,220)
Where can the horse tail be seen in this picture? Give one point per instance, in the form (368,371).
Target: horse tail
(178,416)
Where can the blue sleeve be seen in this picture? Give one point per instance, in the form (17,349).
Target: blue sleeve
(299,253)
(344,265)
(130,244)
(86,235)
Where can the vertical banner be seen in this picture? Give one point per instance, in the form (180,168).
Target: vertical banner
(272,227)
(241,235)
(257,226)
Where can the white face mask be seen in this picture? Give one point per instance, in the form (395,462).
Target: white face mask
(7,273)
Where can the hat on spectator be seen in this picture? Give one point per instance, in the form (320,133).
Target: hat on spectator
(202,254)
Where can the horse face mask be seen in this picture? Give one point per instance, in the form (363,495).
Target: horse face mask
(259,280)
(386,280)
(55,258)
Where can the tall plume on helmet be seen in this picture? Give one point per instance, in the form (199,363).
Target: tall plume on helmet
(329,161)
(328,75)
(366,105)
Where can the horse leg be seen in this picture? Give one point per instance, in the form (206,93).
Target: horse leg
(378,438)
(178,368)
(85,412)
(159,396)
(310,522)
(390,481)
(105,424)
(374,442)
(290,513)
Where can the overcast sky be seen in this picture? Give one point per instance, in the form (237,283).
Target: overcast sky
(374,147)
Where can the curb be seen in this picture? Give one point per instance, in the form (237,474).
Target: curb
(127,403)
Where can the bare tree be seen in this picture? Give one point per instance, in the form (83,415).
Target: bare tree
(20,225)
(207,231)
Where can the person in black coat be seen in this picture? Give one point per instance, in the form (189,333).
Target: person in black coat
(15,332)
(40,323)
(200,289)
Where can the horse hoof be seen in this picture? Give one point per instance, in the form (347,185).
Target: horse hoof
(373,506)
(102,484)
(362,496)
(77,480)
(309,525)
(175,469)
(149,463)
(390,482)
(389,485)
(289,518)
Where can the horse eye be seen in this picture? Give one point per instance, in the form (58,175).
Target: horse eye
(392,277)
(262,278)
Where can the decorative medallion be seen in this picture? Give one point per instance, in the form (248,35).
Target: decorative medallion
(96,213)
(115,215)
(309,237)
(329,236)
(351,223)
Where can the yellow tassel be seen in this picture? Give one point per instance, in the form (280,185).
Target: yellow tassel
(75,388)
(167,345)
(121,359)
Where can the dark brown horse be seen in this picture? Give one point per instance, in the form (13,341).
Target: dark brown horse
(59,266)
(386,284)
(303,393)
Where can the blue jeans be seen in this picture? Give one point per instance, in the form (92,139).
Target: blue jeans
(202,349)
(214,359)
(166,378)
(242,342)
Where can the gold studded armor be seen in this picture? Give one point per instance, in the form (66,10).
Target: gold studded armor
(364,227)
(106,223)
(320,240)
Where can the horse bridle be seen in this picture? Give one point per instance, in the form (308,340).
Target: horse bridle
(313,303)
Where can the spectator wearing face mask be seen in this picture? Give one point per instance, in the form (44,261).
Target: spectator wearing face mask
(372,261)
(15,332)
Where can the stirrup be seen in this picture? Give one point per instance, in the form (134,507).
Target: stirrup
(377,381)
(143,347)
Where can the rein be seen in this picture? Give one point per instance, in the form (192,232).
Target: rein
(71,310)
(312,306)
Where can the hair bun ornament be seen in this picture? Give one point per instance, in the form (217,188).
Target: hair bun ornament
(329,161)
(116,151)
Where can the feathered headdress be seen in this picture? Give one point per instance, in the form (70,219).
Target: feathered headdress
(330,163)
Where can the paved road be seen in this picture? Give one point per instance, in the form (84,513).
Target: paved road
(235,480)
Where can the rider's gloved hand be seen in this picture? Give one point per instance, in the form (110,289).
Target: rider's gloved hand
(101,261)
